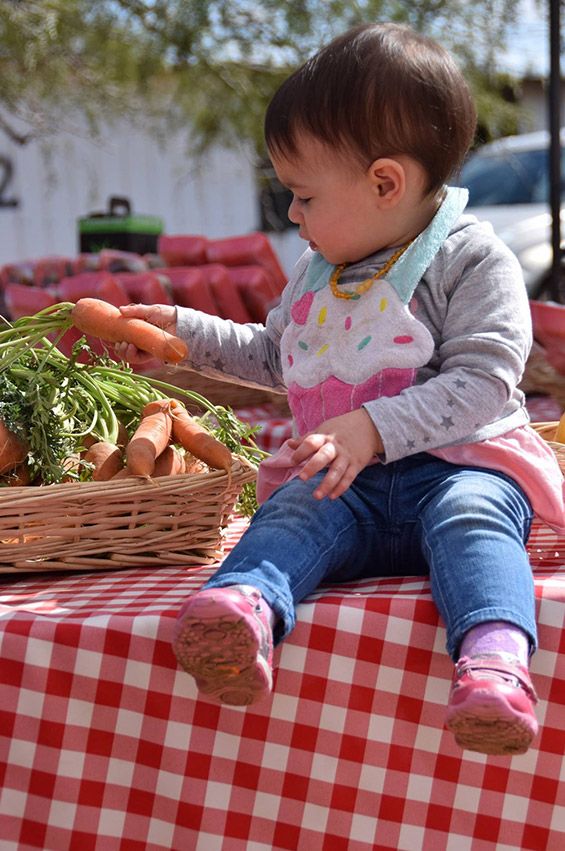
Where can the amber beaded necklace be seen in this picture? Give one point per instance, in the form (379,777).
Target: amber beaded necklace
(365,285)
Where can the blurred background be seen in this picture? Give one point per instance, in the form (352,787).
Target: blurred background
(161,102)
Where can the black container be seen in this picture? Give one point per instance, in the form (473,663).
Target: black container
(118,228)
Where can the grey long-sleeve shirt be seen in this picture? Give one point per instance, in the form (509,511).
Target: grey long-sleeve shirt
(472,300)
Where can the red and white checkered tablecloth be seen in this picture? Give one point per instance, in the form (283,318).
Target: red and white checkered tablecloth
(104,745)
(273,428)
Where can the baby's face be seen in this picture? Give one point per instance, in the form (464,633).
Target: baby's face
(334,202)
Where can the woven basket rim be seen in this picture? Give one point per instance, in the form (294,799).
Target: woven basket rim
(131,485)
(122,523)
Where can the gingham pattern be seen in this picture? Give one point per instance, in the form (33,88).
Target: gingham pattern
(273,429)
(105,746)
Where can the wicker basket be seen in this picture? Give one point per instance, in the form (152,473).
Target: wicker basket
(541,377)
(124,523)
(220,392)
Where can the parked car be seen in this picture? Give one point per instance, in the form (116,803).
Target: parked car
(508,182)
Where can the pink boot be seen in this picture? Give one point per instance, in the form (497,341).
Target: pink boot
(223,638)
(491,706)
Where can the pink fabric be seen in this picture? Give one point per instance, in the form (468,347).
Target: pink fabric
(312,405)
(522,454)
(526,457)
(275,470)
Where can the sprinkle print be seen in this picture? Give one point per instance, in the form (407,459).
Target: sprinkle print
(337,342)
(301,308)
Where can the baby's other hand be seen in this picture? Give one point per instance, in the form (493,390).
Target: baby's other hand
(161,315)
(344,445)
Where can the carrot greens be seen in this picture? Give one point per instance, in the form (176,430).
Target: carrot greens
(55,402)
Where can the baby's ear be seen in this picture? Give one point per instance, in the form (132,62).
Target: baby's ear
(388,179)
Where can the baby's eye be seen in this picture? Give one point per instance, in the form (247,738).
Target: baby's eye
(303,200)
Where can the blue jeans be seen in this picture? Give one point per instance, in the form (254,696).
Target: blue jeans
(464,526)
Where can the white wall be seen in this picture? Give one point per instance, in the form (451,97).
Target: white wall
(60,179)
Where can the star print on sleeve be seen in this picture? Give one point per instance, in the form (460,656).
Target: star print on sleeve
(447,423)
(460,383)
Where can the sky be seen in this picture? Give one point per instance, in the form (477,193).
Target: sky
(528,42)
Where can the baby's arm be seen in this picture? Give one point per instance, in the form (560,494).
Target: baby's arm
(247,354)
(477,300)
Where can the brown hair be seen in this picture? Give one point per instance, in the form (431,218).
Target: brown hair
(378,90)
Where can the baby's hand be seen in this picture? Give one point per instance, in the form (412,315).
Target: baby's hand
(161,315)
(344,444)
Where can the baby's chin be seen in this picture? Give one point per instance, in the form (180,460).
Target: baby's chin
(314,247)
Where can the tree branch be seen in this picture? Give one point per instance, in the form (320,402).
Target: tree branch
(13,135)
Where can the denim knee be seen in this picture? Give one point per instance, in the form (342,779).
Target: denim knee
(474,535)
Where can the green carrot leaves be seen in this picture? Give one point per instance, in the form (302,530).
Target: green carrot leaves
(55,402)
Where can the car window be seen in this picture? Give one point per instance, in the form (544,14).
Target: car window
(508,177)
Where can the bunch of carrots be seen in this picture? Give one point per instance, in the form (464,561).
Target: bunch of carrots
(65,420)
(167,441)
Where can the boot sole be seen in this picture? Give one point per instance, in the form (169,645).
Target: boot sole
(218,646)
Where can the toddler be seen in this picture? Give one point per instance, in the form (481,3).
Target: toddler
(400,339)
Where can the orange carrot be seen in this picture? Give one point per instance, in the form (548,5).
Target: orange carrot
(196,440)
(13,450)
(157,406)
(149,440)
(124,473)
(103,320)
(169,463)
(123,436)
(106,458)
(88,440)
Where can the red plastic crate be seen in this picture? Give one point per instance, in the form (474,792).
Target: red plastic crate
(225,293)
(182,250)
(22,300)
(84,285)
(253,249)
(146,287)
(190,288)
(256,289)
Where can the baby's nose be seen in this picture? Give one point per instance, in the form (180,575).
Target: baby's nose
(294,212)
